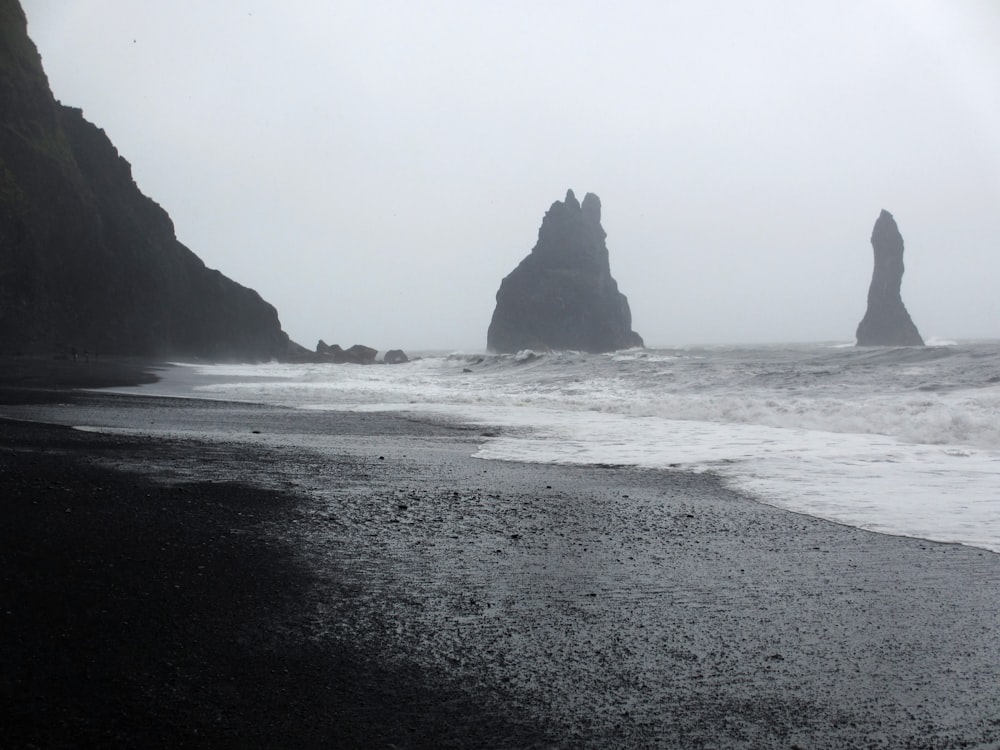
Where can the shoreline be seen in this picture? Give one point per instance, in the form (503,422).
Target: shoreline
(370,583)
(936,491)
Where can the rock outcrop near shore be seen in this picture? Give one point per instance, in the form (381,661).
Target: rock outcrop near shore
(886,321)
(359,354)
(562,295)
(335,354)
(86,260)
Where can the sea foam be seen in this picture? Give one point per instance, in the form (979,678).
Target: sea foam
(902,441)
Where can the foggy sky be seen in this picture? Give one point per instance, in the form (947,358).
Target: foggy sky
(374,169)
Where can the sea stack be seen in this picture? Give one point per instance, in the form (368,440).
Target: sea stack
(886,321)
(562,295)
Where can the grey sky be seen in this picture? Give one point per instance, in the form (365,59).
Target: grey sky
(374,169)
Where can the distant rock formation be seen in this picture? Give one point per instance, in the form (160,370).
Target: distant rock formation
(886,321)
(395,357)
(334,354)
(356,355)
(88,261)
(562,295)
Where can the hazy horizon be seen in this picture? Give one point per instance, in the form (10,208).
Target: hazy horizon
(374,170)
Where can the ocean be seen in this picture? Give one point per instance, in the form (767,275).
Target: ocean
(899,441)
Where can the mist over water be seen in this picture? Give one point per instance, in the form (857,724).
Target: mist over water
(355,148)
(902,441)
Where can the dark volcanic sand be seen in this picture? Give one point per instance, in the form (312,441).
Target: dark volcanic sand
(252,576)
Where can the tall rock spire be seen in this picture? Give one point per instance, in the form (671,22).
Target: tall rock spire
(886,321)
(562,295)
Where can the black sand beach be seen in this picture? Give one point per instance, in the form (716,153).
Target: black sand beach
(225,575)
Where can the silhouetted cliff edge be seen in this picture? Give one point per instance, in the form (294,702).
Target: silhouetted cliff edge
(562,295)
(88,261)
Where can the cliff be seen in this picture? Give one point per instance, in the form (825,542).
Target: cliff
(562,295)
(886,321)
(88,261)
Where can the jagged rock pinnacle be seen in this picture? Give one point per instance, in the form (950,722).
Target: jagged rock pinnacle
(886,321)
(562,295)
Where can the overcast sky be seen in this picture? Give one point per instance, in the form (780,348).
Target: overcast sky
(374,169)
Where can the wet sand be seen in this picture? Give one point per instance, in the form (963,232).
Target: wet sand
(215,574)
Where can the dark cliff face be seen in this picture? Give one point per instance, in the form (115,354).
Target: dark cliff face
(886,321)
(88,261)
(562,295)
